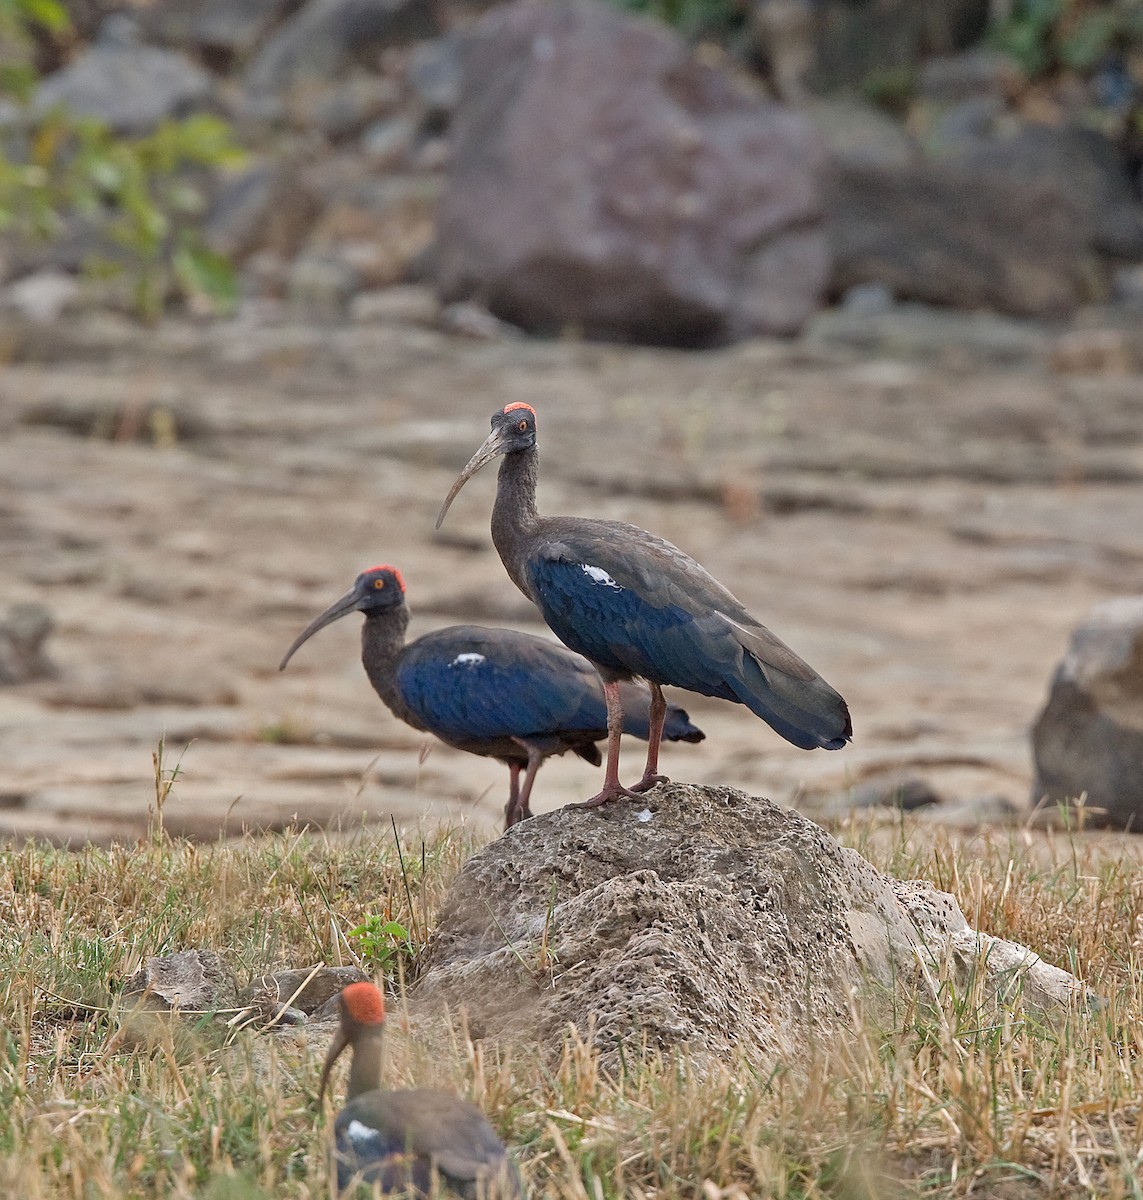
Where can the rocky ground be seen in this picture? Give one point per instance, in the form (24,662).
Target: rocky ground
(924,526)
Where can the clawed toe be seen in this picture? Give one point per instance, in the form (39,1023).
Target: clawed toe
(648,782)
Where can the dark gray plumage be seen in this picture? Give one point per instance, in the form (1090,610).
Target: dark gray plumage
(636,606)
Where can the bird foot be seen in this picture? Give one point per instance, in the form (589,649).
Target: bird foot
(648,782)
(606,797)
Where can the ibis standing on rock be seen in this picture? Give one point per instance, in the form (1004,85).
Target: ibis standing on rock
(637,606)
(494,692)
(399,1140)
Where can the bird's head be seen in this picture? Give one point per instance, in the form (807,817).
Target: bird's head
(361,1008)
(375,590)
(513,430)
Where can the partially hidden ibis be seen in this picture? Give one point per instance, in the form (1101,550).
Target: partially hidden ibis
(638,607)
(494,692)
(398,1140)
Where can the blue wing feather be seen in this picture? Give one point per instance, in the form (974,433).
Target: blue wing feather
(616,628)
(484,684)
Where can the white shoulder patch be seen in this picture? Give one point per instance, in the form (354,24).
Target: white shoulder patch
(360,1134)
(467,660)
(600,576)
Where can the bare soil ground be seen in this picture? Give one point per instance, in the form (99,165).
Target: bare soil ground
(184,499)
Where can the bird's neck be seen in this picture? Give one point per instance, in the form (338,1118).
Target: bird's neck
(365,1065)
(514,515)
(382,640)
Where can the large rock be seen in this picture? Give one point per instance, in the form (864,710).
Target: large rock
(1080,166)
(953,236)
(328,36)
(605,180)
(1088,741)
(130,87)
(699,916)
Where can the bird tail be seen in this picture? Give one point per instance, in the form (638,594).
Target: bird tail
(787,693)
(807,712)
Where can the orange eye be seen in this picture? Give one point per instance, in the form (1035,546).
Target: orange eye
(522,426)
(378,583)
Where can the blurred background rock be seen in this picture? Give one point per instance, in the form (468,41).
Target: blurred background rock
(682,172)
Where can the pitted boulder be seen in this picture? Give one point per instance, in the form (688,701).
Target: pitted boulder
(1088,741)
(704,917)
(604,179)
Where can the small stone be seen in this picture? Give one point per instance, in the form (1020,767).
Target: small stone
(130,87)
(950,78)
(389,142)
(23,633)
(434,75)
(1127,286)
(474,321)
(322,285)
(189,980)
(264,207)
(316,988)
(44,296)
(405,304)
(868,298)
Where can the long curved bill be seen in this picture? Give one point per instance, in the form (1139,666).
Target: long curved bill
(341,607)
(492,445)
(340,1042)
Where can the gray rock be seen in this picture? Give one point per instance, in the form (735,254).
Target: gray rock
(388,143)
(343,111)
(966,121)
(132,88)
(704,917)
(264,207)
(1080,166)
(868,299)
(1088,740)
(379,225)
(404,304)
(952,236)
(916,331)
(434,76)
(23,633)
(981,71)
(328,36)
(322,285)
(861,135)
(1127,286)
(195,980)
(855,41)
(268,993)
(229,27)
(605,180)
(43,296)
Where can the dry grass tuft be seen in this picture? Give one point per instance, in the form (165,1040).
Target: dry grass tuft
(953,1100)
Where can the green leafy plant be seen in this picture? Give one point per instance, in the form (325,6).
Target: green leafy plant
(1044,35)
(141,196)
(382,941)
(692,17)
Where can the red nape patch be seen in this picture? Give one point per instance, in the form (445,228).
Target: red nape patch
(519,404)
(392,570)
(364,1003)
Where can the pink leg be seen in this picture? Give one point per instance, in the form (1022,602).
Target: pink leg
(612,788)
(535,758)
(651,778)
(510,817)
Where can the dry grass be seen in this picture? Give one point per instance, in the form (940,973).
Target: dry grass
(952,1101)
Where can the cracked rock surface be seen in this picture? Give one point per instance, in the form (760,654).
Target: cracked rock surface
(701,916)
